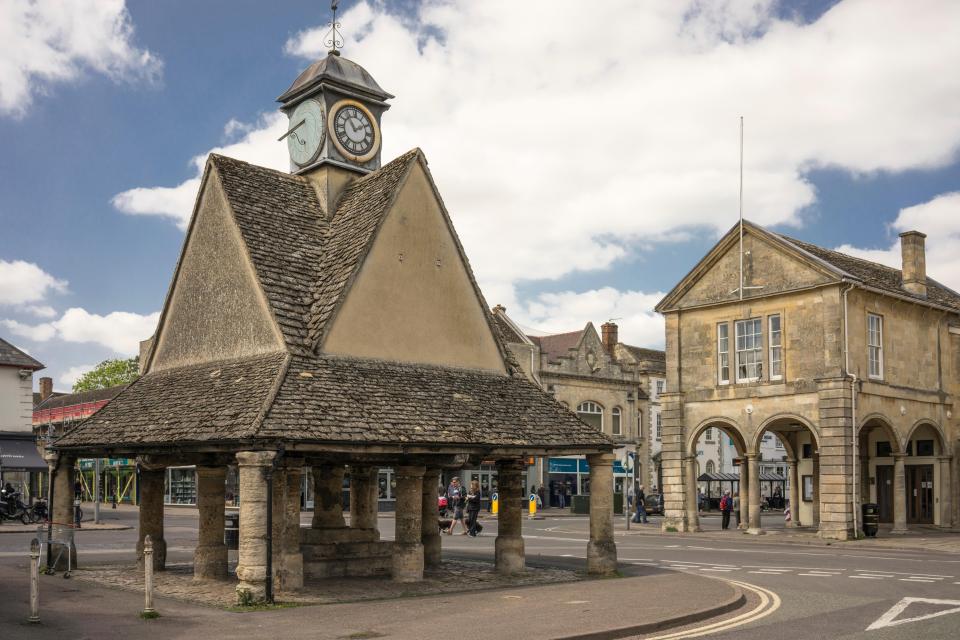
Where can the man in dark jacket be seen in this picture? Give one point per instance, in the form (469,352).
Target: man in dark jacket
(641,513)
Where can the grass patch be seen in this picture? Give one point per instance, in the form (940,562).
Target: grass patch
(262,606)
(149,615)
(671,529)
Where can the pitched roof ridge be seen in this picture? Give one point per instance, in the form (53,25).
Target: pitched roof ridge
(219,157)
(207,364)
(398,365)
(17,357)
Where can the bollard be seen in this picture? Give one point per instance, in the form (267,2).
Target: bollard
(148,610)
(533,506)
(34,581)
(495,504)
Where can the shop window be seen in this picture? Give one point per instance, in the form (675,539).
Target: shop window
(924,447)
(749,336)
(884,450)
(723,353)
(592,414)
(615,421)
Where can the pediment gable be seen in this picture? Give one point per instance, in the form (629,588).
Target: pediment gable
(770,266)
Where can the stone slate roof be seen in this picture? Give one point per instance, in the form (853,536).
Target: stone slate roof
(58,400)
(306,261)
(10,356)
(641,353)
(877,275)
(506,331)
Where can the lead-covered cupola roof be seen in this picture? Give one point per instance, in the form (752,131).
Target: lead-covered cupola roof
(335,69)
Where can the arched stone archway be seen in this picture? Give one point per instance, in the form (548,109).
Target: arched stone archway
(927,475)
(723,426)
(794,449)
(880,459)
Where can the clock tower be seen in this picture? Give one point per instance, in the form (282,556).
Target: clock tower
(334,109)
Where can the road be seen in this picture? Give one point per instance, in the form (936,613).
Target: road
(823,592)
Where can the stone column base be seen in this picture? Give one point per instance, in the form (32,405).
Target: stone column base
(601,558)
(432,551)
(210,562)
(289,572)
(407,562)
(680,525)
(509,553)
(159,554)
(252,584)
(835,534)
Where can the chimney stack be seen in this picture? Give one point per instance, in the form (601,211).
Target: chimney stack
(609,334)
(914,262)
(46,388)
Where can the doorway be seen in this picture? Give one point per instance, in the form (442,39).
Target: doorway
(920,493)
(885,492)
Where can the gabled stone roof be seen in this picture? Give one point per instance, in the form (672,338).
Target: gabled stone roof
(305,262)
(641,353)
(10,356)
(507,332)
(558,344)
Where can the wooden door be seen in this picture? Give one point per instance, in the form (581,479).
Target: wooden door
(885,492)
(920,494)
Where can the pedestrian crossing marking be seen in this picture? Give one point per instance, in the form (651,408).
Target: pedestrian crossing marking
(889,619)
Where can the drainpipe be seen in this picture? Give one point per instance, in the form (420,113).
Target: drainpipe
(854,472)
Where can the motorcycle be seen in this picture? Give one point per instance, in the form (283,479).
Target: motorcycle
(12,508)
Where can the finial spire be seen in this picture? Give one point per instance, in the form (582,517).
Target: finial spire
(334,39)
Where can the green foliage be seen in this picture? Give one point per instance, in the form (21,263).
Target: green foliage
(109,373)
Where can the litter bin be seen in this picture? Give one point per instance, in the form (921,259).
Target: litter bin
(871,519)
(580,504)
(231,529)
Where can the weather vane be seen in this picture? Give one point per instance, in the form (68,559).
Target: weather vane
(334,39)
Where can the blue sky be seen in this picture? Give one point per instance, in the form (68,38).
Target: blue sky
(560,228)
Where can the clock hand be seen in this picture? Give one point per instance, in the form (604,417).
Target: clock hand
(292,129)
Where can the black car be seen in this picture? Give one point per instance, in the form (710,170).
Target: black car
(653,502)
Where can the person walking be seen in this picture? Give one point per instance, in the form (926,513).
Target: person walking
(455,499)
(473,508)
(640,516)
(736,508)
(631,492)
(726,506)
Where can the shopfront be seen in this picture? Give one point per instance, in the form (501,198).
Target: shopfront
(118,480)
(21,465)
(571,476)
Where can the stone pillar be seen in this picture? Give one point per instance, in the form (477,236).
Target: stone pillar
(287,557)
(945,487)
(508,546)
(407,548)
(693,509)
(328,497)
(794,493)
(252,558)
(744,486)
(815,503)
(899,494)
(364,498)
(671,460)
(152,480)
(429,527)
(753,463)
(61,511)
(601,550)
(210,556)
(835,479)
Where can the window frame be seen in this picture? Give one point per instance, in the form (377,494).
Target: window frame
(597,411)
(616,421)
(756,349)
(771,347)
(659,425)
(878,347)
(723,351)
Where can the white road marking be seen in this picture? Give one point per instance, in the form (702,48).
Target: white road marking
(767,573)
(709,569)
(769,602)
(915,580)
(868,577)
(818,575)
(889,619)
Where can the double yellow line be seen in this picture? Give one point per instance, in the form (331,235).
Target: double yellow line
(769,602)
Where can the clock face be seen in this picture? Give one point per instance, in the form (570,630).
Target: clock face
(354,131)
(306,131)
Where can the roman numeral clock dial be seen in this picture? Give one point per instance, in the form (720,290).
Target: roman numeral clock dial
(354,130)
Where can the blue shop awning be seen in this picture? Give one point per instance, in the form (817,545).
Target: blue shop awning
(20,454)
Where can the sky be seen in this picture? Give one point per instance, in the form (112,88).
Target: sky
(588,160)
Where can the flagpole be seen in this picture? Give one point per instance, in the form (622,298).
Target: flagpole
(741,207)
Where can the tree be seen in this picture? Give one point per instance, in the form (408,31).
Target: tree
(109,373)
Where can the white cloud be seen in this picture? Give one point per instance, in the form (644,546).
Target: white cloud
(577,146)
(119,331)
(43,42)
(24,282)
(939,218)
(258,145)
(40,310)
(71,375)
(569,311)
(38,333)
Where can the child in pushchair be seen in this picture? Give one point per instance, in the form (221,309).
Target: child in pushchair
(443,521)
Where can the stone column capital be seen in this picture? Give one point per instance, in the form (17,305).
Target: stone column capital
(751,456)
(410,471)
(600,459)
(898,456)
(256,458)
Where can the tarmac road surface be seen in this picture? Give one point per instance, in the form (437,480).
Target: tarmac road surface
(811,591)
